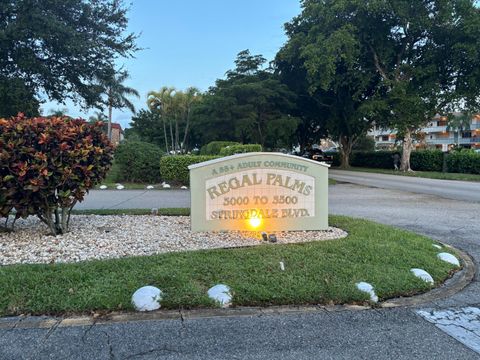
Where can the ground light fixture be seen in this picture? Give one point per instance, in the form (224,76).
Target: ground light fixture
(255,222)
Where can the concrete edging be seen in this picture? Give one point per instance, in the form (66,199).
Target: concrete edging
(453,285)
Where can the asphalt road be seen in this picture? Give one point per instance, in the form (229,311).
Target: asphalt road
(450,189)
(135,199)
(370,334)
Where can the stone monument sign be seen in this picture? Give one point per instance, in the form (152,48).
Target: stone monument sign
(259,192)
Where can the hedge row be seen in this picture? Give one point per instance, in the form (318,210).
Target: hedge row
(214,147)
(138,162)
(463,162)
(240,149)
(424,160)
(174,169)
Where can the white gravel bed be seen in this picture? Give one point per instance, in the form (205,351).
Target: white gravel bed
(116,236)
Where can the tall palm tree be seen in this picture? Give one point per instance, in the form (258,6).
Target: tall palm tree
(162,101)
(458,124)
(117,95)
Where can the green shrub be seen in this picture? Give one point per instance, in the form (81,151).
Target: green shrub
(138,162)
(214,147)
(364,143)
(47,165)
(372,159)
(240,149)
(463,162)
(422,160)
(426,160)
(174,169)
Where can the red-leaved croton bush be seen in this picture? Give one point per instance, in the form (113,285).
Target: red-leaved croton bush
(47,165)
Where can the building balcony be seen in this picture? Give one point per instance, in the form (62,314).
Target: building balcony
(451,140)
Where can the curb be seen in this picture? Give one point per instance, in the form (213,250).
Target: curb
(452,286)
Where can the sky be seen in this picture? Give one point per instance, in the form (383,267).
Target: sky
(193,43)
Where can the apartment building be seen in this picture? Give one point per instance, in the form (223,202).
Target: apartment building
(434,135)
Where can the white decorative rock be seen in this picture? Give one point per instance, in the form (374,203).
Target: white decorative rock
(448,258)
(221,294)
(147,298)
(422,274)
(103,187)
(120,187)
(437,246)
(150,187)
(166,186)
(368,288)
(184,188)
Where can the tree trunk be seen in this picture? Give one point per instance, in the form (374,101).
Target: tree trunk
(346,144)
(185,134)
(109,131)
(165,134)
(407,149)
(171,135)
(177,135)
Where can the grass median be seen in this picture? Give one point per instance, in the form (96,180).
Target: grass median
(315,273)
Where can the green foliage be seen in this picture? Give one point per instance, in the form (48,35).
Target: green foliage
(463,162)
(47,165)
(174,169)
(373,159)
(16,97)
(385,61)
(214,147)
(239,149)
(364,143)
(171,108)
(138,161)
(427,160)
(63,47)
(250,106)
(422,160)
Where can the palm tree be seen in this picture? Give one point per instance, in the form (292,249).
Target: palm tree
(458,124)
(98,116)
(162,101)
(117,95)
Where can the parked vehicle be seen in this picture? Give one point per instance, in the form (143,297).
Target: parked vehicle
(318,155)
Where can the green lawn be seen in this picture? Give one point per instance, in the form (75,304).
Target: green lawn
(315,273)
(422,174)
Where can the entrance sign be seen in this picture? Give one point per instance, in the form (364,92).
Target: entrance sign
(259,192)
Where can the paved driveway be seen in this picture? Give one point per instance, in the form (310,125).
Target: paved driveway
(400,333)
(450,189)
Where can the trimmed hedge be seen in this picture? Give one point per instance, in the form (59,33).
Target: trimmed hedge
(214,147)
(240,149)
(423,160)
(174,169)
(372,159)
(427,160)
(463,162)
(138,162)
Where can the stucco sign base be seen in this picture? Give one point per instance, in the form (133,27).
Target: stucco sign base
(259,192)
